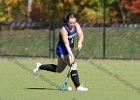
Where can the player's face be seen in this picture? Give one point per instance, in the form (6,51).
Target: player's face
(71,22)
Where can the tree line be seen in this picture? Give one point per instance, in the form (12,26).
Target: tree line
(117,11)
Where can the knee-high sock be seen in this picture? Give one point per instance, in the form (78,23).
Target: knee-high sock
(48,67)
(75,78)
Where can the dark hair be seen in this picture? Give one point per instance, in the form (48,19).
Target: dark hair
(68,16)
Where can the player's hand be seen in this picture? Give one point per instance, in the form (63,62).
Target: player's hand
(79,46)
(72,59)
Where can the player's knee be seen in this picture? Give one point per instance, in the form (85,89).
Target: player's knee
(59,71)
(74,67)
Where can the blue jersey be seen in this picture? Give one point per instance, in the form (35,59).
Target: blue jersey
(71,35)
(61,49)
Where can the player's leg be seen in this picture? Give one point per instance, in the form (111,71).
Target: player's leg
(61,64)
(74,72)
(52,67)
(47,67)
(74,75)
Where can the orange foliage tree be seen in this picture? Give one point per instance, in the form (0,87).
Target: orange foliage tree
(133,5)
(11,9)
(45,10)
(133,10)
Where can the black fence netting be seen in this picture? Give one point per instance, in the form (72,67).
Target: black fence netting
(40,39)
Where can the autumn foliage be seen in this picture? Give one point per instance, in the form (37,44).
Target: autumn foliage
(45,10)
(133,5)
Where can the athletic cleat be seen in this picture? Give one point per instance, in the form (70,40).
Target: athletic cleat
(82,88)
(37,68)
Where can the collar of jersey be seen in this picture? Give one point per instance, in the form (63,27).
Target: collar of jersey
(67,28)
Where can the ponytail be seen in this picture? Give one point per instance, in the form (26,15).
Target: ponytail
(66,18)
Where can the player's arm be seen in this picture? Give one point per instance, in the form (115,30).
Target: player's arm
(64,36)
(81,35)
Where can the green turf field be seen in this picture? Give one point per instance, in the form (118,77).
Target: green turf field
(106,80)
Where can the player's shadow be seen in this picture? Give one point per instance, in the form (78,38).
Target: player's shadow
(41,89)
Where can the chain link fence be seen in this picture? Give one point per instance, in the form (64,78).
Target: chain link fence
(122,41)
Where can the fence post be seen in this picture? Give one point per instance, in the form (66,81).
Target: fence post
(50,39)
(53,49)
(104,31)
(0,40)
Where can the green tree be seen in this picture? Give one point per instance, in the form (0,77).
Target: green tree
(98,7)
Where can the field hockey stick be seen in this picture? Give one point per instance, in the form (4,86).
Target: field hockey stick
(63,87)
